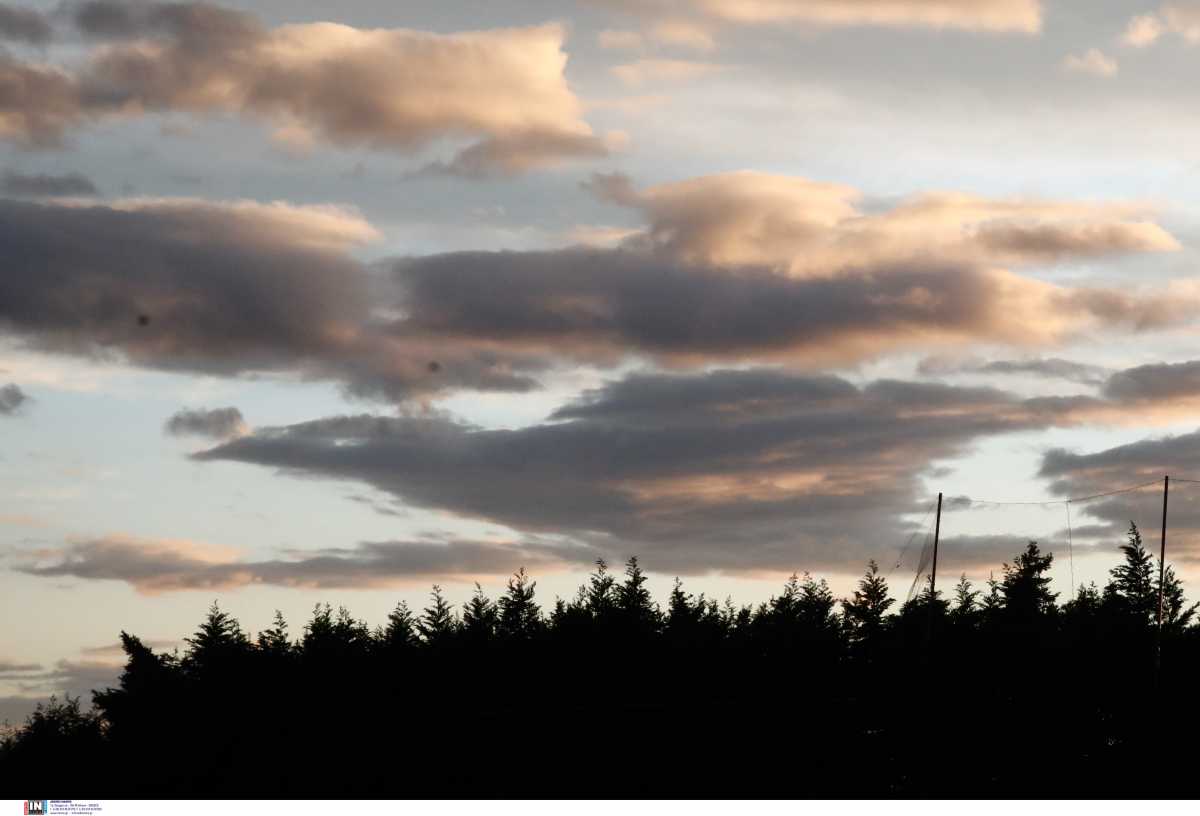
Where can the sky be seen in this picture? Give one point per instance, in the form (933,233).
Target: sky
(302,305)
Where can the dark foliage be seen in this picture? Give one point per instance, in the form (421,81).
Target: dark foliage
(610,695)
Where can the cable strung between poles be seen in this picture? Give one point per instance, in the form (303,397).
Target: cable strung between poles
(1075,499)
(919,529)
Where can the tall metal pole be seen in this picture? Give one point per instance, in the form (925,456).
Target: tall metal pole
(937,532)
(1162,569)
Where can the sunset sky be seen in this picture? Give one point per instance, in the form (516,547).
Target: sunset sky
(297,308)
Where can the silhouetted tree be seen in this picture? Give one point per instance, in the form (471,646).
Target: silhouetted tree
(993,602)
(438,624)
(1177,614)
(235,720)
(1026,587)
(966,602)
(59,730)
(866,610)
(638,615)
(520,617)
(400,634)
(1131,587)
(598,598)
(480,618)
(274,643)
(218,643)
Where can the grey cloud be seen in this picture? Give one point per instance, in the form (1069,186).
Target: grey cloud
(215,293)
(1049,367)
(518,153)
(597,305)
(117,652)
(169,566)
(735,471)
(230,288)
(201,23)
(1051,242)
(11,399)
(37,103)
(46,186)
(218,288)
(216,423)
(77,678)
(24,24)
(12,667)
(615,188)
(1155,382)
(1143,462)
(738,471)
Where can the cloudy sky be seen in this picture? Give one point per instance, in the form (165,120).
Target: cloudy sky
(296,309)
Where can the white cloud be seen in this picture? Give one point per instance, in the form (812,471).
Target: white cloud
(1093,61)
(663,70)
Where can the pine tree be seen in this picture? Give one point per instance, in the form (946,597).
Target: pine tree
(480,618)
(598,597)
(866,610)
(786,605)
(332,638)
(1086,601)
(966,601)
(1177,615)
(217,643)
(638,614)
(400,633)
(915,612)
(520,617)
(353,635)
(274,642)
(682,620)
(993,601)
(438,624)
(1025,585)
(1131,589)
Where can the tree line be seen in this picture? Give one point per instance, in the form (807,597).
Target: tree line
(1000,690)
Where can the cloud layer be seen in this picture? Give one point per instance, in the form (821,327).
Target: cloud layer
(732,470)
(734,268)
(41,185)
(813,227)
(215,423)
(748,472)
(1022,16)
(215,287)
(156,566)
(387,89)
(24,25)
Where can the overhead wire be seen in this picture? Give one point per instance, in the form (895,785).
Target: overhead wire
(921,526)
(1075,499)
(921,565)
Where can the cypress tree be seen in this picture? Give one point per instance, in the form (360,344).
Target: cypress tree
(520,617)
(438,624)
(480,618)
(865,611)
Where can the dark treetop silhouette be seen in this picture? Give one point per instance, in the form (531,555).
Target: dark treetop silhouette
(609,695)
